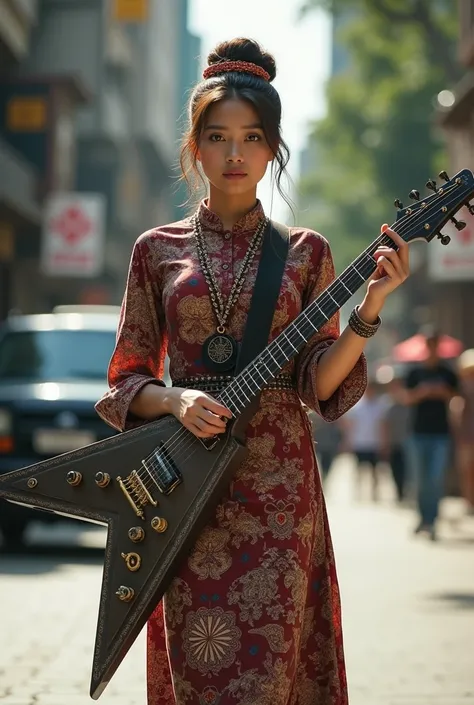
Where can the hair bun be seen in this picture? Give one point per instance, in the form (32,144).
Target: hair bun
(241,49)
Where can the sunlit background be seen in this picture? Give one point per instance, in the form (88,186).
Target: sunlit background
(378,98)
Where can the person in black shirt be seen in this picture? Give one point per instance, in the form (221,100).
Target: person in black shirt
(430,388)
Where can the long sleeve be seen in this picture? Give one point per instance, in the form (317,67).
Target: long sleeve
(352,388)
(138,358)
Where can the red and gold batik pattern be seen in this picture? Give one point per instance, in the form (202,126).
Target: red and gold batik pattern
(253,617)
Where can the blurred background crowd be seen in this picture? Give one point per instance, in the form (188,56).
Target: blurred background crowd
(378,97)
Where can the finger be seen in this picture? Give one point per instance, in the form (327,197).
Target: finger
(384,264)
(393,257)
(403,247)
(212,405)
(206,427)
(197,431)
(212,419)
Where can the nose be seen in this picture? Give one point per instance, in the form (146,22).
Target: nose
(235,153)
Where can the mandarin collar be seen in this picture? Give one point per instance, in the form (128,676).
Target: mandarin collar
(249,222)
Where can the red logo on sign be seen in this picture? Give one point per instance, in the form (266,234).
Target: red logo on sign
(72,225)
(466,236)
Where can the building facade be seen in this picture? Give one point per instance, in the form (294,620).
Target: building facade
(114,73)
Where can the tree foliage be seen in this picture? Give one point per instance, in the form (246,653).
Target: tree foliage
(379,138)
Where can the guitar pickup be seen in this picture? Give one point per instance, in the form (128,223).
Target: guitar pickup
(161,468)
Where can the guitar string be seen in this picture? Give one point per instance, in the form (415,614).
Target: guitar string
(183,433)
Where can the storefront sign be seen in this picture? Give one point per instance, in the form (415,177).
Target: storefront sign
(455,262)
(26,114)
(130,10)
(73,235)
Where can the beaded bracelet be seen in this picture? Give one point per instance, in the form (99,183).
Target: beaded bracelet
(360,327)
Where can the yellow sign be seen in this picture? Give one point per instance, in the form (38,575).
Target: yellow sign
(130,10)
(26,114)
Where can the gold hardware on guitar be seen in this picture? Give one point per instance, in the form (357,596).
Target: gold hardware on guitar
(159,524)
(74,478)
(102,479)
(132,560)
(136,534)
(32,482)
(136,493)
(125,593)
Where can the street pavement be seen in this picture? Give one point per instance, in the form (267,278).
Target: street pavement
(408,608)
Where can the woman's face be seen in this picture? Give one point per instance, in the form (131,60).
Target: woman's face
(233,150)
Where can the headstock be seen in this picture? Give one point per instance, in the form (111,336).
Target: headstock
(424,219)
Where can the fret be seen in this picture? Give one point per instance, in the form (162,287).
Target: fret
(241,390)
(345,287)
(261,361)
(332,298)
(357,271)
(284,334)
(304,314)
(315,303)
(295,328)
(281,349)
(275,361)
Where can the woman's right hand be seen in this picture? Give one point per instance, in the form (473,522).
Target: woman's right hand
(199,412)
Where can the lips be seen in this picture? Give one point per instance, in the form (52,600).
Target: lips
(234,174)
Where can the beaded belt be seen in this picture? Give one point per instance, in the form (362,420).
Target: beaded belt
(209,383)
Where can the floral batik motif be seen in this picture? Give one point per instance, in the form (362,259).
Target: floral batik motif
(253,617)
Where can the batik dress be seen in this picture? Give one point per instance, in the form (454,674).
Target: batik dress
(253,616)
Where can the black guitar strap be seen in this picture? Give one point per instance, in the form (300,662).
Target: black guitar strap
(264,300)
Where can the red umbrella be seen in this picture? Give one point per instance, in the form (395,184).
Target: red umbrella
(414,349)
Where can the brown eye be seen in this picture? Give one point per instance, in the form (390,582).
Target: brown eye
(215,138)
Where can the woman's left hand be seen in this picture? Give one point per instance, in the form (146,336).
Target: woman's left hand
(392,268)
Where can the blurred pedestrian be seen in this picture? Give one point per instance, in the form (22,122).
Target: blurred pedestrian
(395,431)
(363,436)
(429,388)
(465,427)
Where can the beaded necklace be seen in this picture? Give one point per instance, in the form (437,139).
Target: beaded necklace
(220,349)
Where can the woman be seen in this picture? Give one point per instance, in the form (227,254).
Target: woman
(253,615)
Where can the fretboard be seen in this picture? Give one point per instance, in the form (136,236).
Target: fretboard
(247,384)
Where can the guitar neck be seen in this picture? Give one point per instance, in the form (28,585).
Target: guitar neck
(250,382)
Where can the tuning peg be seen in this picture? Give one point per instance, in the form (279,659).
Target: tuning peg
(414,195)
(458,224)
(431,185)
(445,239)
(398,204)
(443,175)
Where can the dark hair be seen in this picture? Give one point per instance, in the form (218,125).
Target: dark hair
(230,85)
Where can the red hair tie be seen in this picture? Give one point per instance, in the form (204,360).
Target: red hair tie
(241,66)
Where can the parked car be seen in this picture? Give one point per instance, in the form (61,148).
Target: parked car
(53,369)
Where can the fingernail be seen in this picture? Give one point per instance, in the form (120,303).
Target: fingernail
(384,227)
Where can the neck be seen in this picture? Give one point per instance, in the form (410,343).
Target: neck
(231,209)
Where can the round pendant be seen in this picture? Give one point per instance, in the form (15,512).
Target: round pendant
(220,352)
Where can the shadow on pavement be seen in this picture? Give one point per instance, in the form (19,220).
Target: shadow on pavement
(35,560)
(459,600)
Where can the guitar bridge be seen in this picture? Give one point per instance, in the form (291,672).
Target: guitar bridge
(136,493)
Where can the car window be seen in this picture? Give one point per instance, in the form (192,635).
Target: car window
(56,354)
